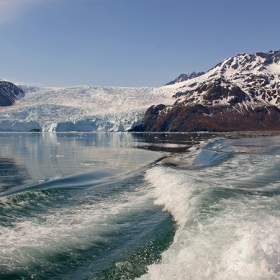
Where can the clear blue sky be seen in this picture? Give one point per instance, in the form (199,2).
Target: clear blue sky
(128,42)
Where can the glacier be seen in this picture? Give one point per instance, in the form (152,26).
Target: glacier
(84,108)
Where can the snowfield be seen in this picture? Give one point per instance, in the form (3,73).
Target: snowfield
(80,108)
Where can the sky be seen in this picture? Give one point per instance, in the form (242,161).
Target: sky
(130,43)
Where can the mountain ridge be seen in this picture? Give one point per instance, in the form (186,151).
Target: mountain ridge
(184,77)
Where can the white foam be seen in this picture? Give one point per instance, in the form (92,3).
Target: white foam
(223,232)
(169,189)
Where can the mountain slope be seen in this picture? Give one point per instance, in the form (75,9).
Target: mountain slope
(240,93)
(9,93)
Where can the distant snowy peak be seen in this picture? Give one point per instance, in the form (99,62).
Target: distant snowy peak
(185,77)
(254,78)
(256,63)
(9,93)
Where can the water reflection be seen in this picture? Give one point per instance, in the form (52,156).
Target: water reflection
(49,156)
(181,142)
(167,142)
(11,174)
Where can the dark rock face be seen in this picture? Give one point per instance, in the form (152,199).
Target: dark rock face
(198,117)
(185,77)
(9,93)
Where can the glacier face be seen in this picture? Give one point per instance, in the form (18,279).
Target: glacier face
(80,108)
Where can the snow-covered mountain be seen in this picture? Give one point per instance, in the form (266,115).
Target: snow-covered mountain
(257,75)
(79,108)
(240,93)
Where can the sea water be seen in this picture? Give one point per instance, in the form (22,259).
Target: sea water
(148,206)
